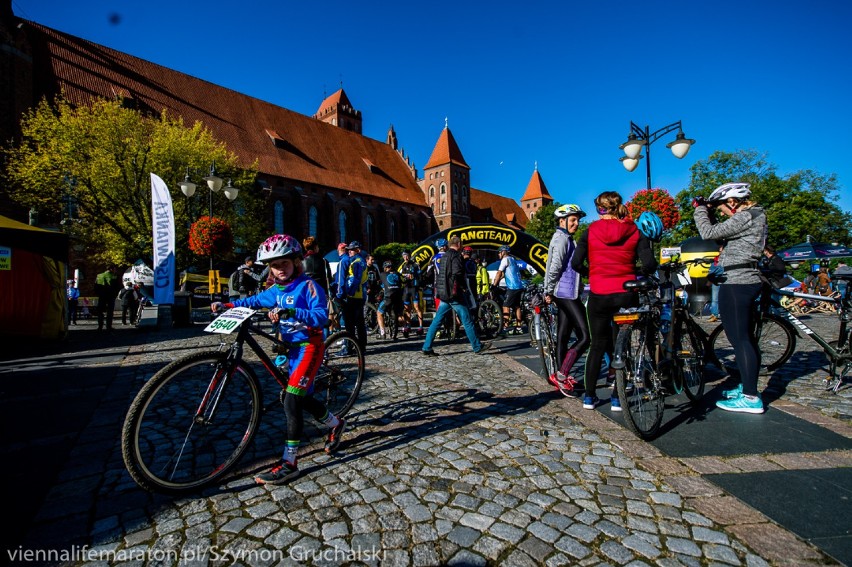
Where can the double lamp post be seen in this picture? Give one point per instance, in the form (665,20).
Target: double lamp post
(214,183)
(638,137)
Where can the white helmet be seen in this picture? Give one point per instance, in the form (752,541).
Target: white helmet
(730,191)
(569,209)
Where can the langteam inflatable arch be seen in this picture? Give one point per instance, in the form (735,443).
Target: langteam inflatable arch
(490,236)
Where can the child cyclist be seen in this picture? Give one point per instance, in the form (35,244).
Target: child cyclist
(298,305)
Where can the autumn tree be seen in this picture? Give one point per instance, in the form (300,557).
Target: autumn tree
(93,164)
(800,204)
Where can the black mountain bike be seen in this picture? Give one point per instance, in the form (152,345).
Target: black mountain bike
(657,356)
(193,420)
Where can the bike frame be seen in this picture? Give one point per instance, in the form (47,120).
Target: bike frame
(836,356)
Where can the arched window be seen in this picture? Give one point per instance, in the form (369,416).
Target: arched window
(371,236)
(464,190)
(431,190)
(392,230)
(341,226)
(443,189)
(279,217)
(443,206)
(455,190)
(313,216)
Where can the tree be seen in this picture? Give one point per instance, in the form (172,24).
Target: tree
(543,224)
(801,204)
(94,163)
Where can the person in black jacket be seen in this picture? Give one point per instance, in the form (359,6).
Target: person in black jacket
(450,284)
(773,267)
(315,266)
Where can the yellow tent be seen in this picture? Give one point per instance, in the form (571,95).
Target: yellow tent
(32,280)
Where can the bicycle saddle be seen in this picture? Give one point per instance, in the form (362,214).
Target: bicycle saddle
(640,285)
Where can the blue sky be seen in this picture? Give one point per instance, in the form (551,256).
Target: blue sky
(552,82)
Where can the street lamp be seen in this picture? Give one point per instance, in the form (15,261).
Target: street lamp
(214,183)
(637,138)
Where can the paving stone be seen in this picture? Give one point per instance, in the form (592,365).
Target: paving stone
(463,536)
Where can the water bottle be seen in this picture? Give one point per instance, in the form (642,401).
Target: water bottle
(665,318)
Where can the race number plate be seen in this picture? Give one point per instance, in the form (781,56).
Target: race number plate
(229,320)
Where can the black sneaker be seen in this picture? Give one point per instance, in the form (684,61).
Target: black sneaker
(485,346)
(334,436)
(429,352)
(281,473)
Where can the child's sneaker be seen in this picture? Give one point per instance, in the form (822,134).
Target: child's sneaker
(733,393)
(743,404)
(614,404)
(589,402)
(334,436)
(281,473)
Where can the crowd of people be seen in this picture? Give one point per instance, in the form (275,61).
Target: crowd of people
(304,297)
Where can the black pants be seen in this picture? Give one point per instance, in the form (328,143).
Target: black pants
(736,307)
(601,308)
(106,306)
(294,406)
(353,319)
(571,318)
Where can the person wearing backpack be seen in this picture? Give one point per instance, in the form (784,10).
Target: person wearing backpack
(129,298)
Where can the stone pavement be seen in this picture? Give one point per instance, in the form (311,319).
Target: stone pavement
(455,459)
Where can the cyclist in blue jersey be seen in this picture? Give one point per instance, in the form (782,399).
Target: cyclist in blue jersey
(351,280)
(410,272)
(510,270)
(298,307)
(391,305)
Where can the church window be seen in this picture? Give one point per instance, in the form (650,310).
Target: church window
(279,217)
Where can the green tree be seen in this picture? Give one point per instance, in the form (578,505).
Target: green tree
(96,161)
(800,204)
(392,251)
(543,224)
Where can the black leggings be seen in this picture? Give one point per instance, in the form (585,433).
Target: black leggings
(571,318)
(294,406)
(601,309)
(736,307)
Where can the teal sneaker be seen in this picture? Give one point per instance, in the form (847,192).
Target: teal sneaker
(733,393)
(743,404)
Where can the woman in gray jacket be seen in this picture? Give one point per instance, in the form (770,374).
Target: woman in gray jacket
(744,237)
(562,288)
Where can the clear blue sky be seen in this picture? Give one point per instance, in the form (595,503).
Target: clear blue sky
(554,82)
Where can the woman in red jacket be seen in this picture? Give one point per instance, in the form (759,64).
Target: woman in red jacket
(610,246)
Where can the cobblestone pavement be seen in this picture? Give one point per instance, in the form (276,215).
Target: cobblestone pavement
(456,459)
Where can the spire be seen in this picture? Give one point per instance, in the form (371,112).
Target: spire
(446,151)
(392,141)
(536,188)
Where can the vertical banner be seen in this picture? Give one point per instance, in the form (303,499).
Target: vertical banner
(163,220)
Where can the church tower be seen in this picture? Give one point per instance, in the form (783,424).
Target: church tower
(338,111)
(536,195)
(446,182)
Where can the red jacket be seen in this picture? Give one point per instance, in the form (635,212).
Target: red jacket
(612,247)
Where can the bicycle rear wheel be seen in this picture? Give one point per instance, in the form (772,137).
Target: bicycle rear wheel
(638,386)
(341,374)
(490,318)
(371,318)
(190,423)
(776,344)
(689,353)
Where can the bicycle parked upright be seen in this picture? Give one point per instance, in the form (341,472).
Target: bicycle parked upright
(660,349)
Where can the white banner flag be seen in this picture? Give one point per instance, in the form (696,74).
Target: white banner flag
(163,219)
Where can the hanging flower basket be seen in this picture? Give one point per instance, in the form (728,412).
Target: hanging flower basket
(658,201)
(210,236)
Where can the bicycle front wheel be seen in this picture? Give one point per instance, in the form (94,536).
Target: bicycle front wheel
(689,352)
(776,344)
(371,318)
(341,374)
(190,423)
(638,386)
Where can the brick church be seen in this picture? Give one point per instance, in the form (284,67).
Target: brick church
(320,175)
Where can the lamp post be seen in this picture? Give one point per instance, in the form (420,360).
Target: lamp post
(214,183)
(639,137)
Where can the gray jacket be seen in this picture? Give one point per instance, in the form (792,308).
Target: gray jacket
(744,235)
(560,279)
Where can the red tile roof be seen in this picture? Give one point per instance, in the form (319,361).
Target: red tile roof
(488,206)
(307,150)
(332,100)
(446,151)
(536,189)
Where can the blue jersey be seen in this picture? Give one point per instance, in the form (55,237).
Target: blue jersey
(302,294)
(511,269)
